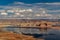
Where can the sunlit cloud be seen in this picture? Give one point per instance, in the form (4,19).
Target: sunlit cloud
(36,10)
(4,14)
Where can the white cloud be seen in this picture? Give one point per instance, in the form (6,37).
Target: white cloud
(43,15)
(11,11)
(33,9)
(22,15)
(52,3)
(55,3)
(29,10)
(22,3)
(26,10)
(37,15)
(19,3)
(17,14)
(53,10)
(4,14)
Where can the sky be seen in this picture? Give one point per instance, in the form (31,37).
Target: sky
(5,2)
(51,8)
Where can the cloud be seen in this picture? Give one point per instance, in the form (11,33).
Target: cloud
(32,9)
(21,3)
(4,14)
(53,10)
(54,3)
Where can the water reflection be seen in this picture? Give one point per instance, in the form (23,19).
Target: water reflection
(50,34)
(55,36)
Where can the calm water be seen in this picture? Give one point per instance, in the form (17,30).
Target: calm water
(50,34)
(55,36)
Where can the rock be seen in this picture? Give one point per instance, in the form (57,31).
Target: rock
(14,36)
